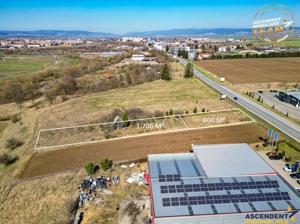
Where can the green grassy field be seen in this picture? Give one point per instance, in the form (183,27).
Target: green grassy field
(289,151)
(20,65)
(290,42)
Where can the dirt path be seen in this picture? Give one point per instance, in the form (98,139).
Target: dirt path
(137,148)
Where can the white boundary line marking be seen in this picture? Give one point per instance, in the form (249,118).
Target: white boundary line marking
(37,140)
(141,119)
(145,134)
(183,122)
(252,119)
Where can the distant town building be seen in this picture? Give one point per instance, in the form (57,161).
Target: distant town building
(107,54)
(33,45)
(222,49)
(132,39)
(204,56)
(291,97)
(138,57)
(192,54)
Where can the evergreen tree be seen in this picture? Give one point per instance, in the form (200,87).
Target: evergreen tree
(167,48)
(189,71)
(165,73)
(90,168)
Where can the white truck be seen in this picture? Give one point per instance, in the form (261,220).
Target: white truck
(223,97)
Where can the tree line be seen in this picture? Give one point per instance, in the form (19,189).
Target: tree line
(73,80)
(264,55)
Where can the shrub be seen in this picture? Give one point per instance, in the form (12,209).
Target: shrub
(13,143)
(189,71)
(15,118)
(158,113)
(72,205)
(259,98)
(5,118)
(90,168)
(7,159)
(195,110)
(133,211)
(165,73)
(106,164)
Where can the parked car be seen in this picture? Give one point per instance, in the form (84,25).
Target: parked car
(275,157)
(260,91)
(287,168)
(295,175)
(298,181)
(235,98)
(292,168)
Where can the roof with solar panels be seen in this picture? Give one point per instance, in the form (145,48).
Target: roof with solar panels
(216,179)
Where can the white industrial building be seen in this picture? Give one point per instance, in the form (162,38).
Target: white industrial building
(219,184)
(138,57)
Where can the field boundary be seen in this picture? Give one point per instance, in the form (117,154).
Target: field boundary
(179,116)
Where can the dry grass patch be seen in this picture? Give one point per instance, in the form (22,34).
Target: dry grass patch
(39,201)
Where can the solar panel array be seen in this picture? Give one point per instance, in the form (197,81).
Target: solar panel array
(169,178)
(225,199)
(218,186)
(181,187)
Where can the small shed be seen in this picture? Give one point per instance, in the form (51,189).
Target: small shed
(118,123)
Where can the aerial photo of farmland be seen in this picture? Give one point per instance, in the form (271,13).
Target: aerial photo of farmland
(119,112)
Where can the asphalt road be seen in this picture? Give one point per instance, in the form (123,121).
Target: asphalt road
(275,120)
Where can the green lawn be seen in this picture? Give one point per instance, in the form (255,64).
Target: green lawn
(18,65)
(290,42)
(289,151)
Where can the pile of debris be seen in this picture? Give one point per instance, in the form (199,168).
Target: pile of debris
(90,187)
(139,178)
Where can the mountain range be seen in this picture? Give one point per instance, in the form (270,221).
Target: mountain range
(189,32)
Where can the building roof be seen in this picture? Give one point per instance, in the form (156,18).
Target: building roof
(182,186)
(294,93)
(230,160)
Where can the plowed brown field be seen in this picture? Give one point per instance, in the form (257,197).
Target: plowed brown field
(137,148)
(261,70)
